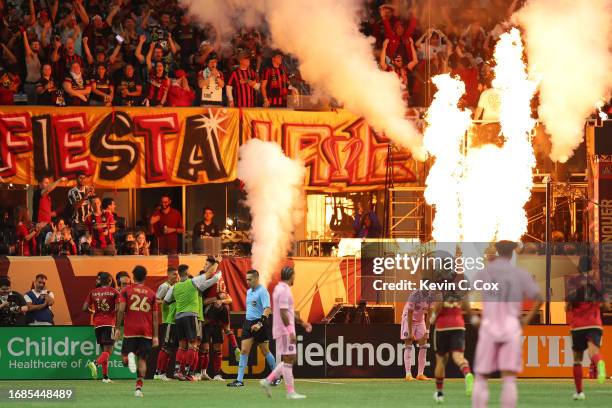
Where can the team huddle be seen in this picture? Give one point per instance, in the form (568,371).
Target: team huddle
(499,347)
(195,315)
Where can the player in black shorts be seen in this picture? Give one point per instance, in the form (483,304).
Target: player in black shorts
(256,327)
(216,318)
(102,301)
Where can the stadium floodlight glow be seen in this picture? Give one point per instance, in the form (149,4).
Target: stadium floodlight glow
(229,222)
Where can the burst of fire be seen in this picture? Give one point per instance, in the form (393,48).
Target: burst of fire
(444,135)
(480,196)
(516,177)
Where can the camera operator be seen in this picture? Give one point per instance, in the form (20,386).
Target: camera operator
(12,305)
(39,301)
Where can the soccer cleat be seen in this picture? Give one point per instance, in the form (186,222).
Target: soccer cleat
(94,370)
(107,381)
(156,376)
(180,377)
(422,377)
(409,377)
(205,377)
(132,362)
(266,387)
(189,377)
(237,353)
(438,397)
(197,377)
(218,378)
(295,395)
(235,384)
(164,377)
(138,394)
(469,384)
(277,382)
(601,371)
(579,396)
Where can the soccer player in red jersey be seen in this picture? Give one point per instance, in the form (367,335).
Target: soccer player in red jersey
(103,300)
(449,339)
(216,322)
(584,315)
(138,312)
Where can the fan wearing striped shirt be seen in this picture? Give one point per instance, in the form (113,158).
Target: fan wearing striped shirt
(242,84)
(275,83)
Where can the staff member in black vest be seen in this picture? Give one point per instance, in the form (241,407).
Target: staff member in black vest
(205,228)
(39,301)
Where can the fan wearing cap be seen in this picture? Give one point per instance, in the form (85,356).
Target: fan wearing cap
(242,84)
(275,83)
(211,82)
(180,93)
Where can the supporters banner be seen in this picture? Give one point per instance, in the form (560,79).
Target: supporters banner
(137,147)
(53,353)
(340,150)
(120,148)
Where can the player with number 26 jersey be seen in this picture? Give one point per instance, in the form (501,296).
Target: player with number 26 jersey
(140,305)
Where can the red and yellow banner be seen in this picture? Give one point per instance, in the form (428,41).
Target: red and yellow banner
(156,147)
(338,148)
(120,148)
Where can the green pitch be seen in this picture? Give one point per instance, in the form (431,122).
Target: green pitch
(325,393)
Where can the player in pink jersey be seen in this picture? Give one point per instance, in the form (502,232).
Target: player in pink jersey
(283,332)
(584,302)
(499,345)
(415,329)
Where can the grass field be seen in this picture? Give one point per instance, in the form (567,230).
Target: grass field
(326,393)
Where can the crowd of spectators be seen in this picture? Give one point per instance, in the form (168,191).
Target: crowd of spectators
(153,53)
(90,225)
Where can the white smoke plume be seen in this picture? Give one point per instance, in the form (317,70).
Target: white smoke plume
(273,183)
(568,47)
(334,56)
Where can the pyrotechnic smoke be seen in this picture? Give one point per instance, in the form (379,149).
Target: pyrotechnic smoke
(446,127)
(334,56)
(568,45)
(227,16)
(273,183)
